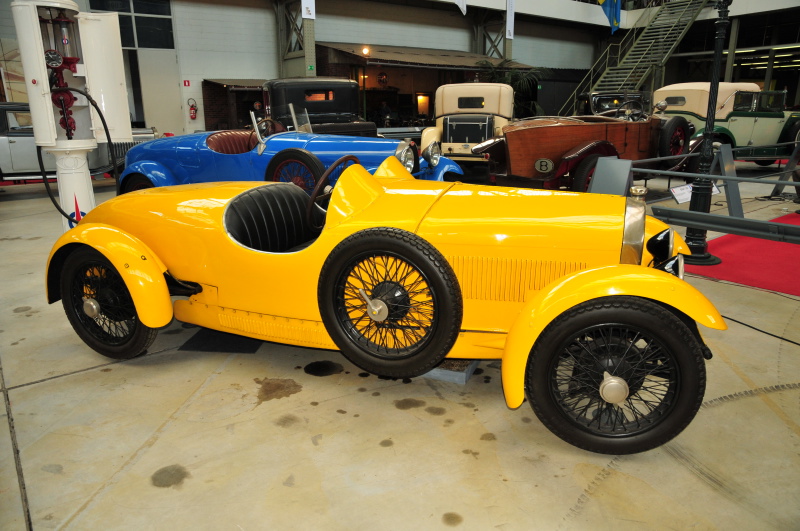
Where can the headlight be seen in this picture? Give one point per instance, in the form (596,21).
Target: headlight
(633,233)
(662,245)
(432,154)
(673,266)
(408,153)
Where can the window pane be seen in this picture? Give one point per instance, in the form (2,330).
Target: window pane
(151,7)
(111,5)
(126,31)
(154,32)
(319,95)
(475,102)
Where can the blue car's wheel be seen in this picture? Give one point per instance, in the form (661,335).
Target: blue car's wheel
(390,302)
(135,181)
(296,166)
(100,308)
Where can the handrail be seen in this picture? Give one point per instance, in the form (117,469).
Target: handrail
(625,47)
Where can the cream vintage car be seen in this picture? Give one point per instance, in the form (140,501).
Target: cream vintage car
(466,115)
(746,117)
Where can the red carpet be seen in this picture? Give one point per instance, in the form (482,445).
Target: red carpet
(755,262)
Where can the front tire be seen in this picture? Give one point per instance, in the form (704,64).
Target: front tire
(296,166)
(601,346)
(584,172)
(100,308)
(390,302)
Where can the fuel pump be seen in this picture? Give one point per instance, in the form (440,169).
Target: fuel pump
(75,80)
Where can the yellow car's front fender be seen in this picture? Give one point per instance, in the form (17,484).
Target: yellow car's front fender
(141,270)
(610,281)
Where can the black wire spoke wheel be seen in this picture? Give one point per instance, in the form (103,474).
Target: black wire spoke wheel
(647,367)
(405,295)
(617,375)
(390,302)
(100,307)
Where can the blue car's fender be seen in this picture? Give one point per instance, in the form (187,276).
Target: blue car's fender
(158,174)
(437,174)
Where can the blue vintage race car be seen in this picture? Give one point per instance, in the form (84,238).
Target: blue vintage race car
(271,153)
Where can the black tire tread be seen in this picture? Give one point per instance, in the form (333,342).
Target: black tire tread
(580,177)
(142,338)
(660,315)
(304,156)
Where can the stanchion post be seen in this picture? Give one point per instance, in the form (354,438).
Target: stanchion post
(702,186)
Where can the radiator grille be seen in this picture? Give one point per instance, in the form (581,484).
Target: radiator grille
(506,279)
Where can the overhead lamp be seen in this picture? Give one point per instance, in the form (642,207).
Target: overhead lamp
(365,51)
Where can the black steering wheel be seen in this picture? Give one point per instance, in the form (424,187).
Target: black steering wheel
(631,110)
(267,127)
(322,193)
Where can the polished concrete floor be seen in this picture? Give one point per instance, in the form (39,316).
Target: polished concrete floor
(209,431)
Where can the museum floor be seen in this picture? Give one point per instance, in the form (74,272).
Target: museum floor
(209,431)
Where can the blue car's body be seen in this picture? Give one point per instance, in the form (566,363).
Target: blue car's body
(188,159)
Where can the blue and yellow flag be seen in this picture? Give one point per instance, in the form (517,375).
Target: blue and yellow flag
(612,11)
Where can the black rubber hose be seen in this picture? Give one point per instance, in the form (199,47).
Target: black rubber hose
(105,128)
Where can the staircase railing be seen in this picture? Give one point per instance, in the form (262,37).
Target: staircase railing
(610,57)
(645,56)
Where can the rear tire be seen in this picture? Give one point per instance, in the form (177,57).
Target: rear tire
(674,140)
(90,284)
(296,166)
(412,290)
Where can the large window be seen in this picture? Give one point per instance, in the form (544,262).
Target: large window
(142,23)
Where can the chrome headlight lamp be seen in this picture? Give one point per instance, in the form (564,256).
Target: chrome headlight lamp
(673,266)
(633,232)
(432,154)
(407,153)
(661,246)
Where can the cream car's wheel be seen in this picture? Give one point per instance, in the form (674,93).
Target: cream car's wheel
(616,375)
(390,302)
(100,308)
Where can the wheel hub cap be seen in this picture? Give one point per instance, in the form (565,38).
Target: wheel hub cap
(91,308)
(613,389)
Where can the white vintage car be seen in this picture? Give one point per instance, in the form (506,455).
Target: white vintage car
(18,159)
(466,115)
(746,117)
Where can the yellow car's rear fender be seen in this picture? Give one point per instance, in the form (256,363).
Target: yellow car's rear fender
(610,281)
(141,270)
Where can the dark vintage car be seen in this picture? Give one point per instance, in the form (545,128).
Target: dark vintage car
(579,296)
(332,104)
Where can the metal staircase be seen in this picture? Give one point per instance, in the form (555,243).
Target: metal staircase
(628,64)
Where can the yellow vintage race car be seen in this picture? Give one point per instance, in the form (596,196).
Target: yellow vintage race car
(580,295)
